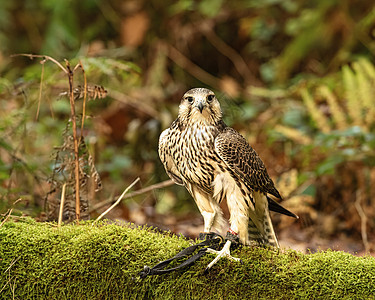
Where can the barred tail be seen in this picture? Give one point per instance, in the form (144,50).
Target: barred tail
(258,238)
(260,228)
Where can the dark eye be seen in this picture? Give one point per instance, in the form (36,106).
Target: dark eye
(210,98)
(190,99)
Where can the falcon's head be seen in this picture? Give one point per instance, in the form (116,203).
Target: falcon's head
(200,106)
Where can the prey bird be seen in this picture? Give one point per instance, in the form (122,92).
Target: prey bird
(214,162)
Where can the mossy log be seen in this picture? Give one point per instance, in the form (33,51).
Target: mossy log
(101,261)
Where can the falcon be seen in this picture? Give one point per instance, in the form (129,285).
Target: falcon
(216,163)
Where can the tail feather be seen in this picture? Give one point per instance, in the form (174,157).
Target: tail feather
(260,228)
(271,238)
(267,237)
(276,207)
(254,235)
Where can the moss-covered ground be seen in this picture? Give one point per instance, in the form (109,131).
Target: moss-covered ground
(101,261)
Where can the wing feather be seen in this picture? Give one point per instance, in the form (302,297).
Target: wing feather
(242,159)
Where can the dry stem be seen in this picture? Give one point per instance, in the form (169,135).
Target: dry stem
(136,193)
(40,90)
(67,70)
(363,217)
(117,202)
(135,103)
(74,128)
(45,57)
(192,68)
(7,217)
(84,97)
(61,205)
(237,60)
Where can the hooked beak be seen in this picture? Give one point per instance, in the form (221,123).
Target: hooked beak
(200,106)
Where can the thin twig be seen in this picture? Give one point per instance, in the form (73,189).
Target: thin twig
(40,90)
(6,283)
(237,60)
(192,68)
(135,103)
(136,193)
(117,202)
(13,288)
(363,217)
(45,57)
(12,263)
(61,205)
(7,217)
(8,269)
(74,128)
(84,97)
(9,213)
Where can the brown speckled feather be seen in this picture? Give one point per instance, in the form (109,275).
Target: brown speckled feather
(240,157)
(215,163)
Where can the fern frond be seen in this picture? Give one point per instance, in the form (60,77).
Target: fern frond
(369,69)
(293,134)
(365,94)
(338,114)
(319,118)
(354,103)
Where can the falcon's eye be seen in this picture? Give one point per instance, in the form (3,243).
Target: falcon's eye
(210,98)
(190,99)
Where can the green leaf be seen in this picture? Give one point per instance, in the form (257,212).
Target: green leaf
(210,8)
(328,165)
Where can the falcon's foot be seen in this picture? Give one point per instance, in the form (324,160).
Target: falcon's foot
(225,252)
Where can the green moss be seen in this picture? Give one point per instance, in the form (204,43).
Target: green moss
(41,261)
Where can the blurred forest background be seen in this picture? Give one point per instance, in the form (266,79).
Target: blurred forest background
(296,78)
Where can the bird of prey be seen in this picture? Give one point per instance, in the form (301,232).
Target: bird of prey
(214,162)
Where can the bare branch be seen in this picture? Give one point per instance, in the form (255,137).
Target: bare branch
(238,61)
(192,68)
(135,103)
(74,127)
(61,205)
(117,202)
(11,264)
(10,278)
(84,97)
(136,193)
(363,217)
(40,90)
(7,217)
(45,57)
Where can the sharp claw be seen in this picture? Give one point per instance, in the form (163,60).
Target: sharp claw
(225,252)
(219,255)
